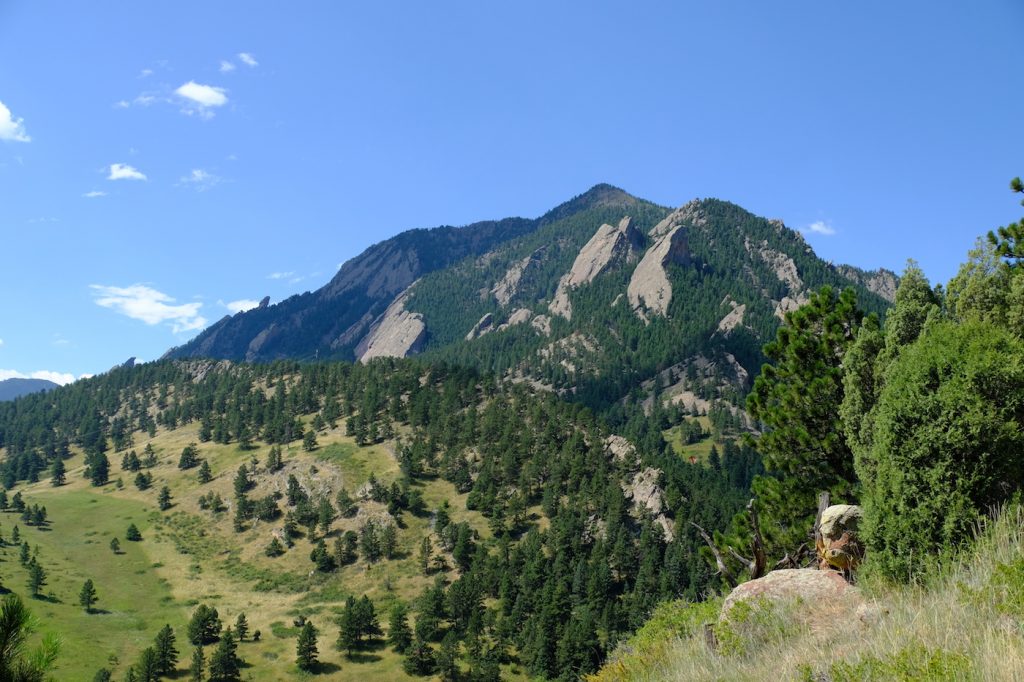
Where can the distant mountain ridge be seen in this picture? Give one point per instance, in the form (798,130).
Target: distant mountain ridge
(15,388)
(596,296)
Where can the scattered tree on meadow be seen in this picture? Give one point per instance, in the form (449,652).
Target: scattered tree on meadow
(58,473)
(198,665)
(115,545)
(305,647)
(163,500)
(87,596)
(204,627)
(166,652)
(399,632)
(189,457)
(205,474)
(132,534)
(241,627)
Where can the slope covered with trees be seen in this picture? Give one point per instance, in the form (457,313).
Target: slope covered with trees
(515,530)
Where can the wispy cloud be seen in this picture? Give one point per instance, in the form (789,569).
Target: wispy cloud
(280,275)
(226,66)
(144,303)
(12,129)
(94,194)
(145,73)
(61,378)
(821,227)
(201,98)
(200,180)
(122,171)
(1,342)
(240,305)
(248,59)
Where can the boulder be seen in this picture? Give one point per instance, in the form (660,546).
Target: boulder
(839,544)
(485,325)
(813,587)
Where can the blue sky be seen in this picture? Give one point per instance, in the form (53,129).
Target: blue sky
(162,164)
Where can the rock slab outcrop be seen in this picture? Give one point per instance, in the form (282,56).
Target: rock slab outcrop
(397,334)
(608,247)
(649,290)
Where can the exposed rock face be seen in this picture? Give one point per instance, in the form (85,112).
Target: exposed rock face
(817,589)
(733,318)
(507,287)
(788,304)
(480,328)
(397,334)
(608,247)
(542,323)
(646,496)
(649,290)
(519,316)
(882,282)
(620,449)
(785,268)
(486,323)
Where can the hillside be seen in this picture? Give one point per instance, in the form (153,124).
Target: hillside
(598,295)
(14,388)
(960,623)
(507,539)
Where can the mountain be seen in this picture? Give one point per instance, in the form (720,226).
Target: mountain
(15,388)
(595,297)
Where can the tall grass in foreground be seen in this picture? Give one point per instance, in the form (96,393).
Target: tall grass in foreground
(963,621)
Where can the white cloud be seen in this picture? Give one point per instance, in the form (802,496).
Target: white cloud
(141,302)
(145,73)
(122,171)
(240,305)
(1,342)
(280,275)
(226,66)
(202,96)
(821,227)
(200,179)
(94,194)
(122,104)
(248,59)
(61,378)
(12,129)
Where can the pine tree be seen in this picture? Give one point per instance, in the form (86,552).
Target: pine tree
(198,665)
(275,548)
(115,546)
(205,474)
(241,627)
(399,632)
(447,658)
(132,534)
(57,473)
(163,500)
(419,659)
(225,666)
(36,578)
(87,597)
(147,669)
(309,441)
(189,457)
(305,648)
(166,653)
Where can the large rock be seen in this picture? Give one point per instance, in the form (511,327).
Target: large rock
(508,286)
(397,334)
(839,545)
(608,247)
(649,290)
(485,325)
(814,588)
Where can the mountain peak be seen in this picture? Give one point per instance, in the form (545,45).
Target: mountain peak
(599,195)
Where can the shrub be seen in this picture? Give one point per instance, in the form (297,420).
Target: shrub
(948,443)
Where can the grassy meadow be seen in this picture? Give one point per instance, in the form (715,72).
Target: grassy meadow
(189,556)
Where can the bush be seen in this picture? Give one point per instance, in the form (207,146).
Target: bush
(948,443)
